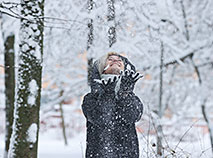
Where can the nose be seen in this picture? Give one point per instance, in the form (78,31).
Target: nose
(115,61)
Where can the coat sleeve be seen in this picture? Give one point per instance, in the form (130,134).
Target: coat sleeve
(130,108)
(98,111)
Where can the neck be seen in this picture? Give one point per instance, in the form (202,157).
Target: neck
(113,72)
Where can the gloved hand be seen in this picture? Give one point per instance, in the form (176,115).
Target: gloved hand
(128,80)
(109,85)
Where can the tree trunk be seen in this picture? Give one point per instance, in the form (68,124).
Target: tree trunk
(112,35)
(160,110)
(89,70)
(24,140)
(62,119)
(111,19)
(9,58)
(90,5)
(203,106)
(185,20)
(206,118)
(90,34)
(90,41)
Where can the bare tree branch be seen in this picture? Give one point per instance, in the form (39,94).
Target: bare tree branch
(184,57)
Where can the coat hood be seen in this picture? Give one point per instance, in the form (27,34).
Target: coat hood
(98,68)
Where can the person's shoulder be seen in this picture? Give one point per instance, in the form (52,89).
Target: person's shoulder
(89,95)
(88,99)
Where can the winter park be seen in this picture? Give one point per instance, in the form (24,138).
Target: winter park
(106,79)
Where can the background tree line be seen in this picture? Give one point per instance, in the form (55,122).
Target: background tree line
(169,41)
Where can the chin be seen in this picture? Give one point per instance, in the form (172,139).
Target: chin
(116,71)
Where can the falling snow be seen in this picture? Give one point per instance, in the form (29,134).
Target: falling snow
(140,26)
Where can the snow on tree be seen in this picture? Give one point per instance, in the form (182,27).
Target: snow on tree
(185,41)
(24,139)
(140,28)
(9,39)
(184,27)
(111,20)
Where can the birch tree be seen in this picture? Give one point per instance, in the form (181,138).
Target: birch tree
(24,140)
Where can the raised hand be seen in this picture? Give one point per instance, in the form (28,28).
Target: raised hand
(128,80)
(109,86)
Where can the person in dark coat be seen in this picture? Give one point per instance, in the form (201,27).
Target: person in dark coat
(112,109)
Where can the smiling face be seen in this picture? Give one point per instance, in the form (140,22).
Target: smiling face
(114,65)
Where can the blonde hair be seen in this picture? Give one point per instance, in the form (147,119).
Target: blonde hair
(112,53)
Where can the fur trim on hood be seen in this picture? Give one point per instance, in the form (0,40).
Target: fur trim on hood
(101,62)
(98,68)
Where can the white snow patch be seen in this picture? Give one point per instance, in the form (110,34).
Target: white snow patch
(32,133)
(25,47)
(98,81)
(31,100)
(128,67)
(50,145)
(38,51)
(33,87)
(162,9)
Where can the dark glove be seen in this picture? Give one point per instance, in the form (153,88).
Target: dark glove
(109,86)
(128,80)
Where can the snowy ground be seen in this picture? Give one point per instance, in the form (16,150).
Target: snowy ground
(52,146)
(55,148)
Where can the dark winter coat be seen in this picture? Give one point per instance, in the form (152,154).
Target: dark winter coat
(111,131)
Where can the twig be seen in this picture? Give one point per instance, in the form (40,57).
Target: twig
(181,58)
(185,133)
(3,12)
(12,3)
(204,151)
(66,20)
(196,69)
(7,67)
(207,121)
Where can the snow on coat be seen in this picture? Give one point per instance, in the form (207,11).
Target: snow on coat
(111,131)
